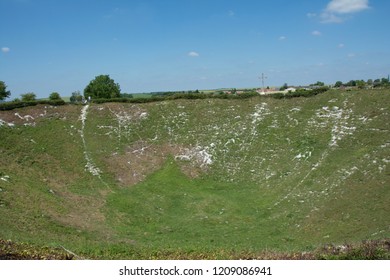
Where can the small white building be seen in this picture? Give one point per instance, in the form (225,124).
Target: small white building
(290,89)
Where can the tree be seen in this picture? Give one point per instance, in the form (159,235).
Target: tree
(338,84)
(361,84)
(285,86)
(3,92)
(30,96)
(319,84)
(102,87)
(377,82)
(76,97)
(55,96)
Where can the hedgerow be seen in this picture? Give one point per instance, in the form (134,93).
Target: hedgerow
(300,93)
(20,104)
(155,98)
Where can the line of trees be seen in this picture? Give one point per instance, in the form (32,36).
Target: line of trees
(370,83)
(26,97)
(102,87)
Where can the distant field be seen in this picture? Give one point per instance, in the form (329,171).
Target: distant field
(208,178)
(66,98)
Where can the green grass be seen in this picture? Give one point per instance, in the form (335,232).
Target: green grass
(170,211)
(286,176)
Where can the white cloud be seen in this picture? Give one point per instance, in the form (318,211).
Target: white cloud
(311,15)
(5,49)
(341,45)
(231,13)
(330,18)
(347,6)
(193,54)
(336,10)
(316,33)
(281,38)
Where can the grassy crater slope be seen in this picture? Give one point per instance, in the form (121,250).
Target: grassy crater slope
(203,178)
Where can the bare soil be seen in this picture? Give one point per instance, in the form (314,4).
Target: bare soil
(142,159)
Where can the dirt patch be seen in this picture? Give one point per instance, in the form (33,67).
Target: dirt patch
(30,116)
(125,114)
(143,158)
(83,212)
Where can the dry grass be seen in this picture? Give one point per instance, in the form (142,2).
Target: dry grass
(22,251)
(366,250)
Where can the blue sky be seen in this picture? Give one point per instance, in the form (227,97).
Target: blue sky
(161,45)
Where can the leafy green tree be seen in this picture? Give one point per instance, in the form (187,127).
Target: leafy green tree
(3,92)
(361,84)
(102,87)
(55,96)
(319,84)
(30,96)
(351,83)
(377,82)
(285,86)
(76,97)
(338,84)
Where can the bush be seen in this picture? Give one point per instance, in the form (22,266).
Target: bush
(300,93)
(20,104)
(55,96)
(154,98)
(187,96)
(76,97)
(278,95)
(16,104)
(191,96)
(58,102)
(244,95)
(27,97)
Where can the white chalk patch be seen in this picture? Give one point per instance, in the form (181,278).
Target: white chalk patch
(5,178)
(89,166)
(6,123)
(200,155)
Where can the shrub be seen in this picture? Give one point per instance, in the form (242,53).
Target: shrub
(76,97)
(278,95)
(20,104)
(55,96)
(301,93)
(244,95)
(27,97)
(16,104)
